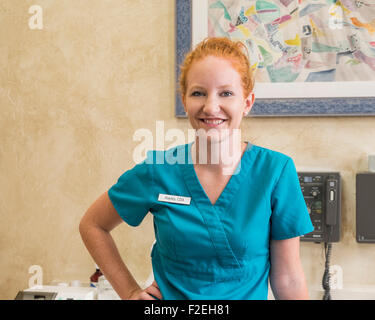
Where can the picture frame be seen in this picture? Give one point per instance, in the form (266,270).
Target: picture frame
(344,98)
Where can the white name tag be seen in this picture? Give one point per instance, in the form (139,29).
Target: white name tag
(174,199)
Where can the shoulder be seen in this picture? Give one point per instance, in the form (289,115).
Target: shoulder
(270,165)
(174,155)
(164,165)
(156,164)
(272,158)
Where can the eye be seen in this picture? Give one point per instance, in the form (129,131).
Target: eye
(196,94)
(226,93)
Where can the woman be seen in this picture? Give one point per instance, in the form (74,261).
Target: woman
(224,225)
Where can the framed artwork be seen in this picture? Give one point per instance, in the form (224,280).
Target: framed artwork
(310,57)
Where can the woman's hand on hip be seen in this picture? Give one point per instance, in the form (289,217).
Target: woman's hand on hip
(150,293)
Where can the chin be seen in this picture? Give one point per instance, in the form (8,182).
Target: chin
(212,135)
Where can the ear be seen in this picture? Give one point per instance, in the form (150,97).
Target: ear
(183,99)
(249,101)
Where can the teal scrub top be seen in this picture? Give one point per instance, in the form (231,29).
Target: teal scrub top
(221,251)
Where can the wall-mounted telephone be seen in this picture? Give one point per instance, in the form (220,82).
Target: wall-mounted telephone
(322,193)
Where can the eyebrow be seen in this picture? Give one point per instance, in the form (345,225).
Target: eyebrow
(220,87)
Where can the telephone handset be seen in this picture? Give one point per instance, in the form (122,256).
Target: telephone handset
(322,193)
(331,215)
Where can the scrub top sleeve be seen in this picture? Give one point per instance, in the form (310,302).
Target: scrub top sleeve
(289,217)
(132,194)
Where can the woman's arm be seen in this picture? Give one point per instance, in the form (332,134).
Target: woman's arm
(286,275)
(95,227)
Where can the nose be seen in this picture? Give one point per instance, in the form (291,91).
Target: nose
(211,105)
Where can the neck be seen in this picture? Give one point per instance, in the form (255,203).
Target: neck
(218,154)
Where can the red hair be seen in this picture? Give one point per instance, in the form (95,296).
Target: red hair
(234,51)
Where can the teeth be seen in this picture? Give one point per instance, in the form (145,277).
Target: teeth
(213,121)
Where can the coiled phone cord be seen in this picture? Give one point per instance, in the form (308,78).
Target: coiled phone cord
(326,275)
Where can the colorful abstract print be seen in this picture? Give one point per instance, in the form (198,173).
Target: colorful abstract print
(301,40)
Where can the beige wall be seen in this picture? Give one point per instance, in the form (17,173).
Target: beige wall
(71,97)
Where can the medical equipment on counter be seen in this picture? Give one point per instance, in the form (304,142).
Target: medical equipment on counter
(95,277)
(57,293)
(76,291)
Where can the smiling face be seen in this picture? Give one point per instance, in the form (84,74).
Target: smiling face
(214,97)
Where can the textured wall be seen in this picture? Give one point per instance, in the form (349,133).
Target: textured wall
(71,97)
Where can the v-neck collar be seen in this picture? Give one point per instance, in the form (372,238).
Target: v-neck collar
(197,192)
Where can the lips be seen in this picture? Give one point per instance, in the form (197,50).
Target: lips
(213,122)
